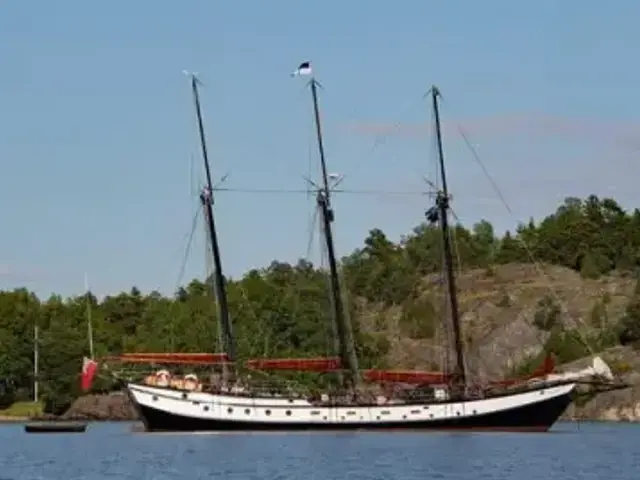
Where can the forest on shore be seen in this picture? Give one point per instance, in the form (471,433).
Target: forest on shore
(283,310)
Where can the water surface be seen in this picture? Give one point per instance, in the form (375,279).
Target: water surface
(112,451)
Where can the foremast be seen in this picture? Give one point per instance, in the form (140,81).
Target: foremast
(440,213)
(207,200)
(342,324)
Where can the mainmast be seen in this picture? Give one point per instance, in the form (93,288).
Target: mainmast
(346,344)
(440,212)
(206,198)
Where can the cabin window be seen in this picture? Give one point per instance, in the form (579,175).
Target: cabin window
(351,413)
(230,410)
(247,411)
(415,411)
(288,413)
(155,398)
(195,403)
(385,412)
(268,412)
(184,396)
(206,408)
(315,412)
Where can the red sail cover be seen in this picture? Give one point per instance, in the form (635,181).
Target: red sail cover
(406,376)
(89,369)
(325,365)
(173,358)
(318,365)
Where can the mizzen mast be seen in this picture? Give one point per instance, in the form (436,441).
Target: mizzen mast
(206,198)
(346,344)
(440,213)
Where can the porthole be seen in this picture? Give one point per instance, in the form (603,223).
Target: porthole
(229,410)
(458,413)
(288,413)
(475,411)
(155,398)
(206,408)
(267,412)
(247,411)
(431,415)
(184,396)
(404,417)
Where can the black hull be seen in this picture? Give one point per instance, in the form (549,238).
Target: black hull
(537,417)
(55,427)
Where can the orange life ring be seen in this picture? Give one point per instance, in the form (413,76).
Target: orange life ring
(163,378)
(191,382)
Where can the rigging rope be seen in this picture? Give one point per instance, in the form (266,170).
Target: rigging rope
(307,191)
(536,264)
(183,265)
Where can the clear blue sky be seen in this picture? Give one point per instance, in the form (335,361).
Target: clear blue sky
(97,129)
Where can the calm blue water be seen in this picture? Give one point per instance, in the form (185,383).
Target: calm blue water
(585,451)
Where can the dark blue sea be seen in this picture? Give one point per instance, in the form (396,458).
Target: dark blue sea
(112,451)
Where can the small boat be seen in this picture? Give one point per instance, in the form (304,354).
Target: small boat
(56,427)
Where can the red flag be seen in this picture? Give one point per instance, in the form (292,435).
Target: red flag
(89,369)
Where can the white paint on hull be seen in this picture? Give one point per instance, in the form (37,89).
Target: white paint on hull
(212,407)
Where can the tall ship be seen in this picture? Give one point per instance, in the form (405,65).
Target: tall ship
(420,400)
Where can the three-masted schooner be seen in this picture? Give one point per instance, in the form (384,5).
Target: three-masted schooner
(446,401)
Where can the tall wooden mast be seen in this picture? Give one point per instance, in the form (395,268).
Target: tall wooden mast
(206,198)
(346,344)
(440,212)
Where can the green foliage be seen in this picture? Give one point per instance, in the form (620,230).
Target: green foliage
(565,346)
(592,267)
(283,310)
(419,318)
(505,300)
(598,314)
(547,314)
(629,326)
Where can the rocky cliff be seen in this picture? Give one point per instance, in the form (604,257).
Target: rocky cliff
(114,407)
